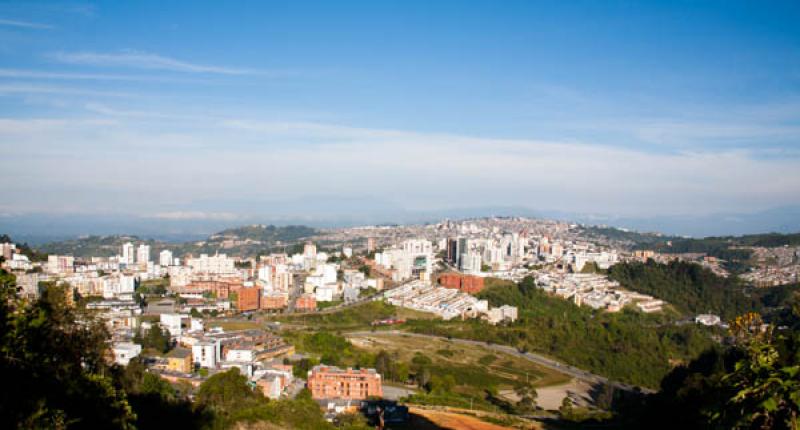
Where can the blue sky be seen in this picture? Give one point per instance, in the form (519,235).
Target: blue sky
(212,109)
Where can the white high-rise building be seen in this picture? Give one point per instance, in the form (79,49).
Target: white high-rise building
(127,253)
(143,254)
(471,262)
(216,264)
(310,250)
(165,258)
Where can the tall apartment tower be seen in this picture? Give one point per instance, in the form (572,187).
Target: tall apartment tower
(128,253)
(143,254)
(165,258)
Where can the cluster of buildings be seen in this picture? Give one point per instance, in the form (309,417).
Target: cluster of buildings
(774,266)
(595,291)
(254,352)
(448,303)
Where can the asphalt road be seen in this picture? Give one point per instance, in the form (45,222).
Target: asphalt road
(541,360)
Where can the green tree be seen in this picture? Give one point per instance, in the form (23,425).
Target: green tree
(766,388)
(527,399)
(226,391)
(54,369)
(566,408)
(229,396)
(156,338)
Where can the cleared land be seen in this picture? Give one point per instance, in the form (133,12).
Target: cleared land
(474,368)
(355,317)
(453,421)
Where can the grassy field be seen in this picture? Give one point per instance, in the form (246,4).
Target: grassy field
(477,364)
(479,372)
(235,325)
(357,317)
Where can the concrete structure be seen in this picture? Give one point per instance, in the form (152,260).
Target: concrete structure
(329,382)
(274,301)
(60,264)
(180,360)
(143,254)
(171,323)
(125,351)
(306,302)
(248,299)
(465,283)
(215,264)
(127,253)
(206,353)
(165,258)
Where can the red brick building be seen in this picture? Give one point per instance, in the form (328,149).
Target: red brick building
(306,302)
(274,301)
(329,382)
(248,299)
(220,288)
(465,283)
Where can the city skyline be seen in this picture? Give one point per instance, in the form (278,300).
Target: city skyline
(227,113)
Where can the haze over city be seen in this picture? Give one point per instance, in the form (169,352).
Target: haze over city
(313,110)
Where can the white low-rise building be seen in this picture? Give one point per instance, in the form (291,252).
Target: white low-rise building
(206,353)
(125,351)
(172,323)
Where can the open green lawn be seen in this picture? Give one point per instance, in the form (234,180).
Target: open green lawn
(473,366)
(234,325)
(359,317)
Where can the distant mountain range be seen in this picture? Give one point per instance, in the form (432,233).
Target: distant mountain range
(41,228)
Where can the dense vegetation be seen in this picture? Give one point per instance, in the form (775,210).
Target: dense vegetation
(723,247)
(54,370)
(270,234)
(156,338)
(627,346)
(271,238)
(624,236)
(752,384)
(690,288)
(693,289)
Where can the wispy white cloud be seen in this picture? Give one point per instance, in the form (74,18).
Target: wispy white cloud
(24,89)
(40,75)
(142,60)
(260,161)
(25,24)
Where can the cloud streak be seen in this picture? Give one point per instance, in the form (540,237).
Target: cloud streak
(261,161)
(142,60)
(41,75)
(25,24)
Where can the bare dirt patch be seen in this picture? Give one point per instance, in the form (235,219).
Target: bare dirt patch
(453,421)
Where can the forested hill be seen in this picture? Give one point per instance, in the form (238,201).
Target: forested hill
(243,241)
(727,248)
(626,237)
(712,244)
(268,233)
(693,289)
(95,246)
(24,249)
